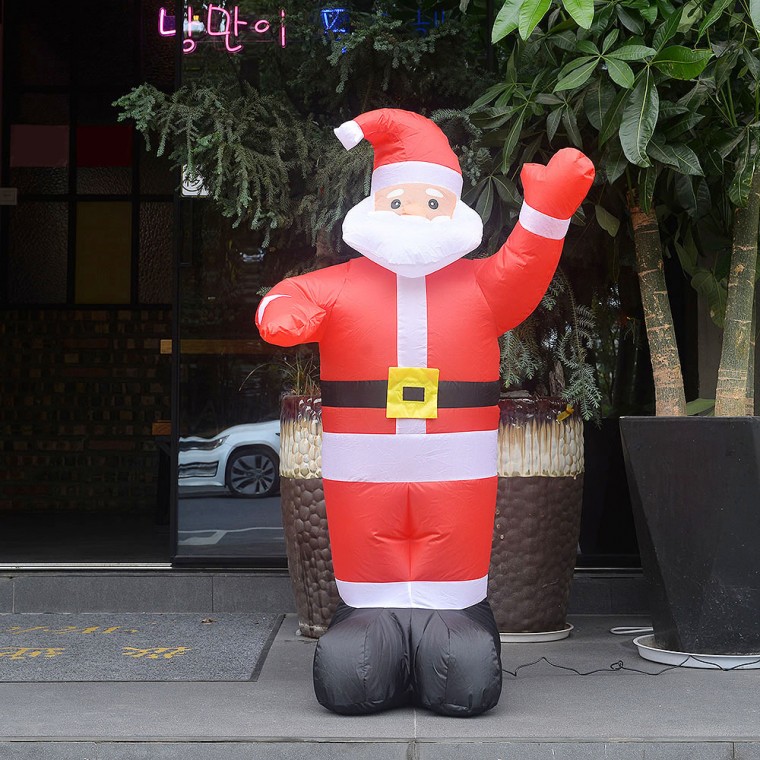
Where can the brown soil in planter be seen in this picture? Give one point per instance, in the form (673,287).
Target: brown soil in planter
(309,557)
(534,550)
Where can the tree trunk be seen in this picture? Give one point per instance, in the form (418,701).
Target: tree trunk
(750,400)
(670,400)
(733,372)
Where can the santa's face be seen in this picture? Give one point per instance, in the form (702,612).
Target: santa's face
(413,229)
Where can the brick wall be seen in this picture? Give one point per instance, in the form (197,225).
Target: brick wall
(79,391)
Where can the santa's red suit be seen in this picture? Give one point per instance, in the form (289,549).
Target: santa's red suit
(409,360)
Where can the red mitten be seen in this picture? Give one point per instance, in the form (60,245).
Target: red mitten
(558,188)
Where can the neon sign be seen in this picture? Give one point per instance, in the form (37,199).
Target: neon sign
(221,22)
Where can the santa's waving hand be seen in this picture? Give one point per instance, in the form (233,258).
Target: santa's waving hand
(408,338)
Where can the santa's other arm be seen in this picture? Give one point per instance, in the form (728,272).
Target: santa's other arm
(296,310)
(515,278)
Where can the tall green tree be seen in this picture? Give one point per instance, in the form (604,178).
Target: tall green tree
(649,89)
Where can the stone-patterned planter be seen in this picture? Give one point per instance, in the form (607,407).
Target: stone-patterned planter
(303,513)
(538,513)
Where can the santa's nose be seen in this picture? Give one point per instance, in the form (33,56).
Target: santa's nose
(413,209)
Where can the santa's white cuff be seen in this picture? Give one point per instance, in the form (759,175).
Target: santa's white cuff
(265,301)
(542,224)
(349,133)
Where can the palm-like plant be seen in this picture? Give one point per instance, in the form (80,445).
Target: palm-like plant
(652,91)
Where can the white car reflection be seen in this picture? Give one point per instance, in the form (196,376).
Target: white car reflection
(244,458)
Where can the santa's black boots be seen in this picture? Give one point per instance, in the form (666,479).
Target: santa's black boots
(372,659)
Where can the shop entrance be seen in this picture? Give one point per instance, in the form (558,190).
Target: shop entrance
(86,230)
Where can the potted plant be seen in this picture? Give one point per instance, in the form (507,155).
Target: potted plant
(664,97)
(304,517)
(541,465)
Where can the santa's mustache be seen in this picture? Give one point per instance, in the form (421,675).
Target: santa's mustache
(412,245)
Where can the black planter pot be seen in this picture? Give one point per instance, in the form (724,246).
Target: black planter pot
(695,492)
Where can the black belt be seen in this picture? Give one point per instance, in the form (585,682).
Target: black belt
(373,394)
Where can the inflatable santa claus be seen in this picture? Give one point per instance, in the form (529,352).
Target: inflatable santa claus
(408,337)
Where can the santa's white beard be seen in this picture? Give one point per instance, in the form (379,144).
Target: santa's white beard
(412,246)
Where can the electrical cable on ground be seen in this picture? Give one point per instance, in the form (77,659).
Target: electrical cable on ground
(620,665)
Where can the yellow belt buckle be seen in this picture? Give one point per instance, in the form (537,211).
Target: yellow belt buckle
(412,393)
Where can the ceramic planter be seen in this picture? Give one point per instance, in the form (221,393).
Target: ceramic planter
(303,513)
(695,492)
(538,513)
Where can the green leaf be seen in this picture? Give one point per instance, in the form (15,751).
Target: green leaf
(571,127)
(688,162)
(753,63)
(680,156)
(691,12)
(631,52)
(588,47)
(647,180)
(620,72)
(685,195)
(732,137)
(582,11)
(754,12)
(564,41)
(701,407)
(681,126)
(614,163)
(547,99)
(738,190)
(490,94)
(667,29)
(688,256)
(484,206)
(715,12)
(629,21)
(552,123)
(695,97)
(613,116)
(531,13)
(596,102)
(507,20)
(610,40)
(648,11)
(507,191)
(575,63)
(681,62)
(639,120)
(609,223)
(668,109)
(577,77)
(511,142)
(714,292)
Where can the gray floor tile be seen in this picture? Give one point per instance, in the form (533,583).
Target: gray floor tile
(254,751)
(48,750)
(6,594)
(236,592)
(634,750)
(106,592)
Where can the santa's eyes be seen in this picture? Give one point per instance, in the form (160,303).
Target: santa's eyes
(433,203)
(395,203)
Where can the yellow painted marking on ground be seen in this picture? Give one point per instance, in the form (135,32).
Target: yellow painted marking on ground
(16,629)
(155,653)
(24,653)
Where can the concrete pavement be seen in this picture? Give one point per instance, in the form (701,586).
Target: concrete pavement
(545,712)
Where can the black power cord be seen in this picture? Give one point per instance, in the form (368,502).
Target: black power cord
(620,665)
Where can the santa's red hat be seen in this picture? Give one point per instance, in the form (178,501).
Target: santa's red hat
(408,148)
